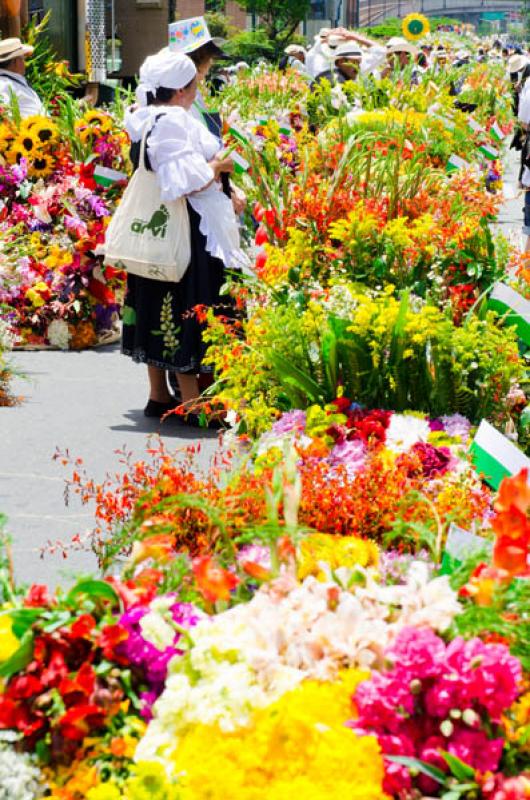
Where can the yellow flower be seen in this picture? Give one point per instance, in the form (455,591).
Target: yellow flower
(45,133)
(41,165)
(9,643)
(415,26)
(27,144)
(150,781)
(34,294)
(337,551)
(105,791)
(297,746)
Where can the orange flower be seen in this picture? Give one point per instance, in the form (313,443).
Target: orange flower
(514,492)
(256,570)
(511,556)
(161,548)
(214,582)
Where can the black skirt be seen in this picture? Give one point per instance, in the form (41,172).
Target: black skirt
(160,327)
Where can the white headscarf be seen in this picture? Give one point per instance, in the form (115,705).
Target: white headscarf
(164,69)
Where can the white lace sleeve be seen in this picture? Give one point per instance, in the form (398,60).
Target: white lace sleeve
(176,156)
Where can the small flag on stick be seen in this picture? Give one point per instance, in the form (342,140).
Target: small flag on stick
(489,152)
(494,456)
(496,133)
(455,162)
(513,307)
(108,177)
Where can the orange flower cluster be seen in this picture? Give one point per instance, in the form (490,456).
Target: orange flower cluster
(511,524)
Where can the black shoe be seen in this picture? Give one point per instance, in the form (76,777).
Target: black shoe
(157,410)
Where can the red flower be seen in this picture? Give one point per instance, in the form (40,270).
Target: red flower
(214,582)
(79,688)
(83,627)
(37,596)
(81,720)
(24,686)
(111,636)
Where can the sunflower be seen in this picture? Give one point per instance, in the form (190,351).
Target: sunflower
(41,166)
(97,119)
(45,132)
(27,143)
(7,137)
(415,26)
(15,154)
(29,123)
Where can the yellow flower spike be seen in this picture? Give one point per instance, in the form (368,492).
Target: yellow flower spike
(9,643)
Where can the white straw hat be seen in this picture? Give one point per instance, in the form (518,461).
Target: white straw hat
(14,48)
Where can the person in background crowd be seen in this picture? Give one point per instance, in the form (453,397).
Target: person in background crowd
(517,65)
(294,56)
(188,162)
(316,61)
(399,55)
(523,143)
(13,54)
(347,59)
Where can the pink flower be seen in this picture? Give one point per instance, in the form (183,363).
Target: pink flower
(475,749)
(418,651)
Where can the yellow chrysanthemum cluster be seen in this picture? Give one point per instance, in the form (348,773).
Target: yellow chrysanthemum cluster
(35,140)
(299,746)
(336,551)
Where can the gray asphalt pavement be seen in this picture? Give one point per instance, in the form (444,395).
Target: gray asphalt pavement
(90,403)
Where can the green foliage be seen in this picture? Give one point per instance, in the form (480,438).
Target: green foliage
(219,24)
(393,26)
(279,18)
(250,46)
(49,77)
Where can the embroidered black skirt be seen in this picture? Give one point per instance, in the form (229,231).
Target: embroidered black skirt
(159,325)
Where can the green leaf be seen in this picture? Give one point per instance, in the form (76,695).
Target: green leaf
(22,619)
(100,590)
(461,770)
(128,315)
(420,766)
(20,658)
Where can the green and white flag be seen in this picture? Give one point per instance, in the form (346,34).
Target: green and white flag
(241,165)
(474,125)
(494,456)
(461,545)
(455,162)
(496,133)
(513,307)
(285,129)
(238,134)
(108,177)
(490,152)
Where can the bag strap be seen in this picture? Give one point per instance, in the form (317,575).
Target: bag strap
(145,135)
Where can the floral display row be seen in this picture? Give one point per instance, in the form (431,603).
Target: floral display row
(338,606)
(59,181)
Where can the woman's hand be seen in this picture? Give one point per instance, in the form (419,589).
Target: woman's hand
(239,200)
(220,165)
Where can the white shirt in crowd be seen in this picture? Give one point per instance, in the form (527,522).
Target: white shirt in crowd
(524,117)
(179,150)
(28,100)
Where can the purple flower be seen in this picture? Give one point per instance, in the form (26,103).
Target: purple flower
(456,425)
(291,421)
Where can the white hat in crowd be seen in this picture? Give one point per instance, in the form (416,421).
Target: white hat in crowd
(14,48)
(349,50)
(397,44)
(164,69)
(517,62)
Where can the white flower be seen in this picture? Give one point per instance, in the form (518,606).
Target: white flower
(58,334)
(20,778)
(157,631)
(404,431)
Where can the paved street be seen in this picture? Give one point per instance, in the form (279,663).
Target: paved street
(91,403)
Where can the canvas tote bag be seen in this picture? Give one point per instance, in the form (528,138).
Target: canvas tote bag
(147,236)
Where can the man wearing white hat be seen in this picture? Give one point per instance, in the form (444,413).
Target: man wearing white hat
(347,58)
(13,54)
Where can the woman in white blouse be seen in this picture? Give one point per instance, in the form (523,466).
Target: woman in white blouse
(160,327)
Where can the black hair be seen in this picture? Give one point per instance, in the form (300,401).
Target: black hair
(204,53)
(8,64)
(162,96)
(526,73)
